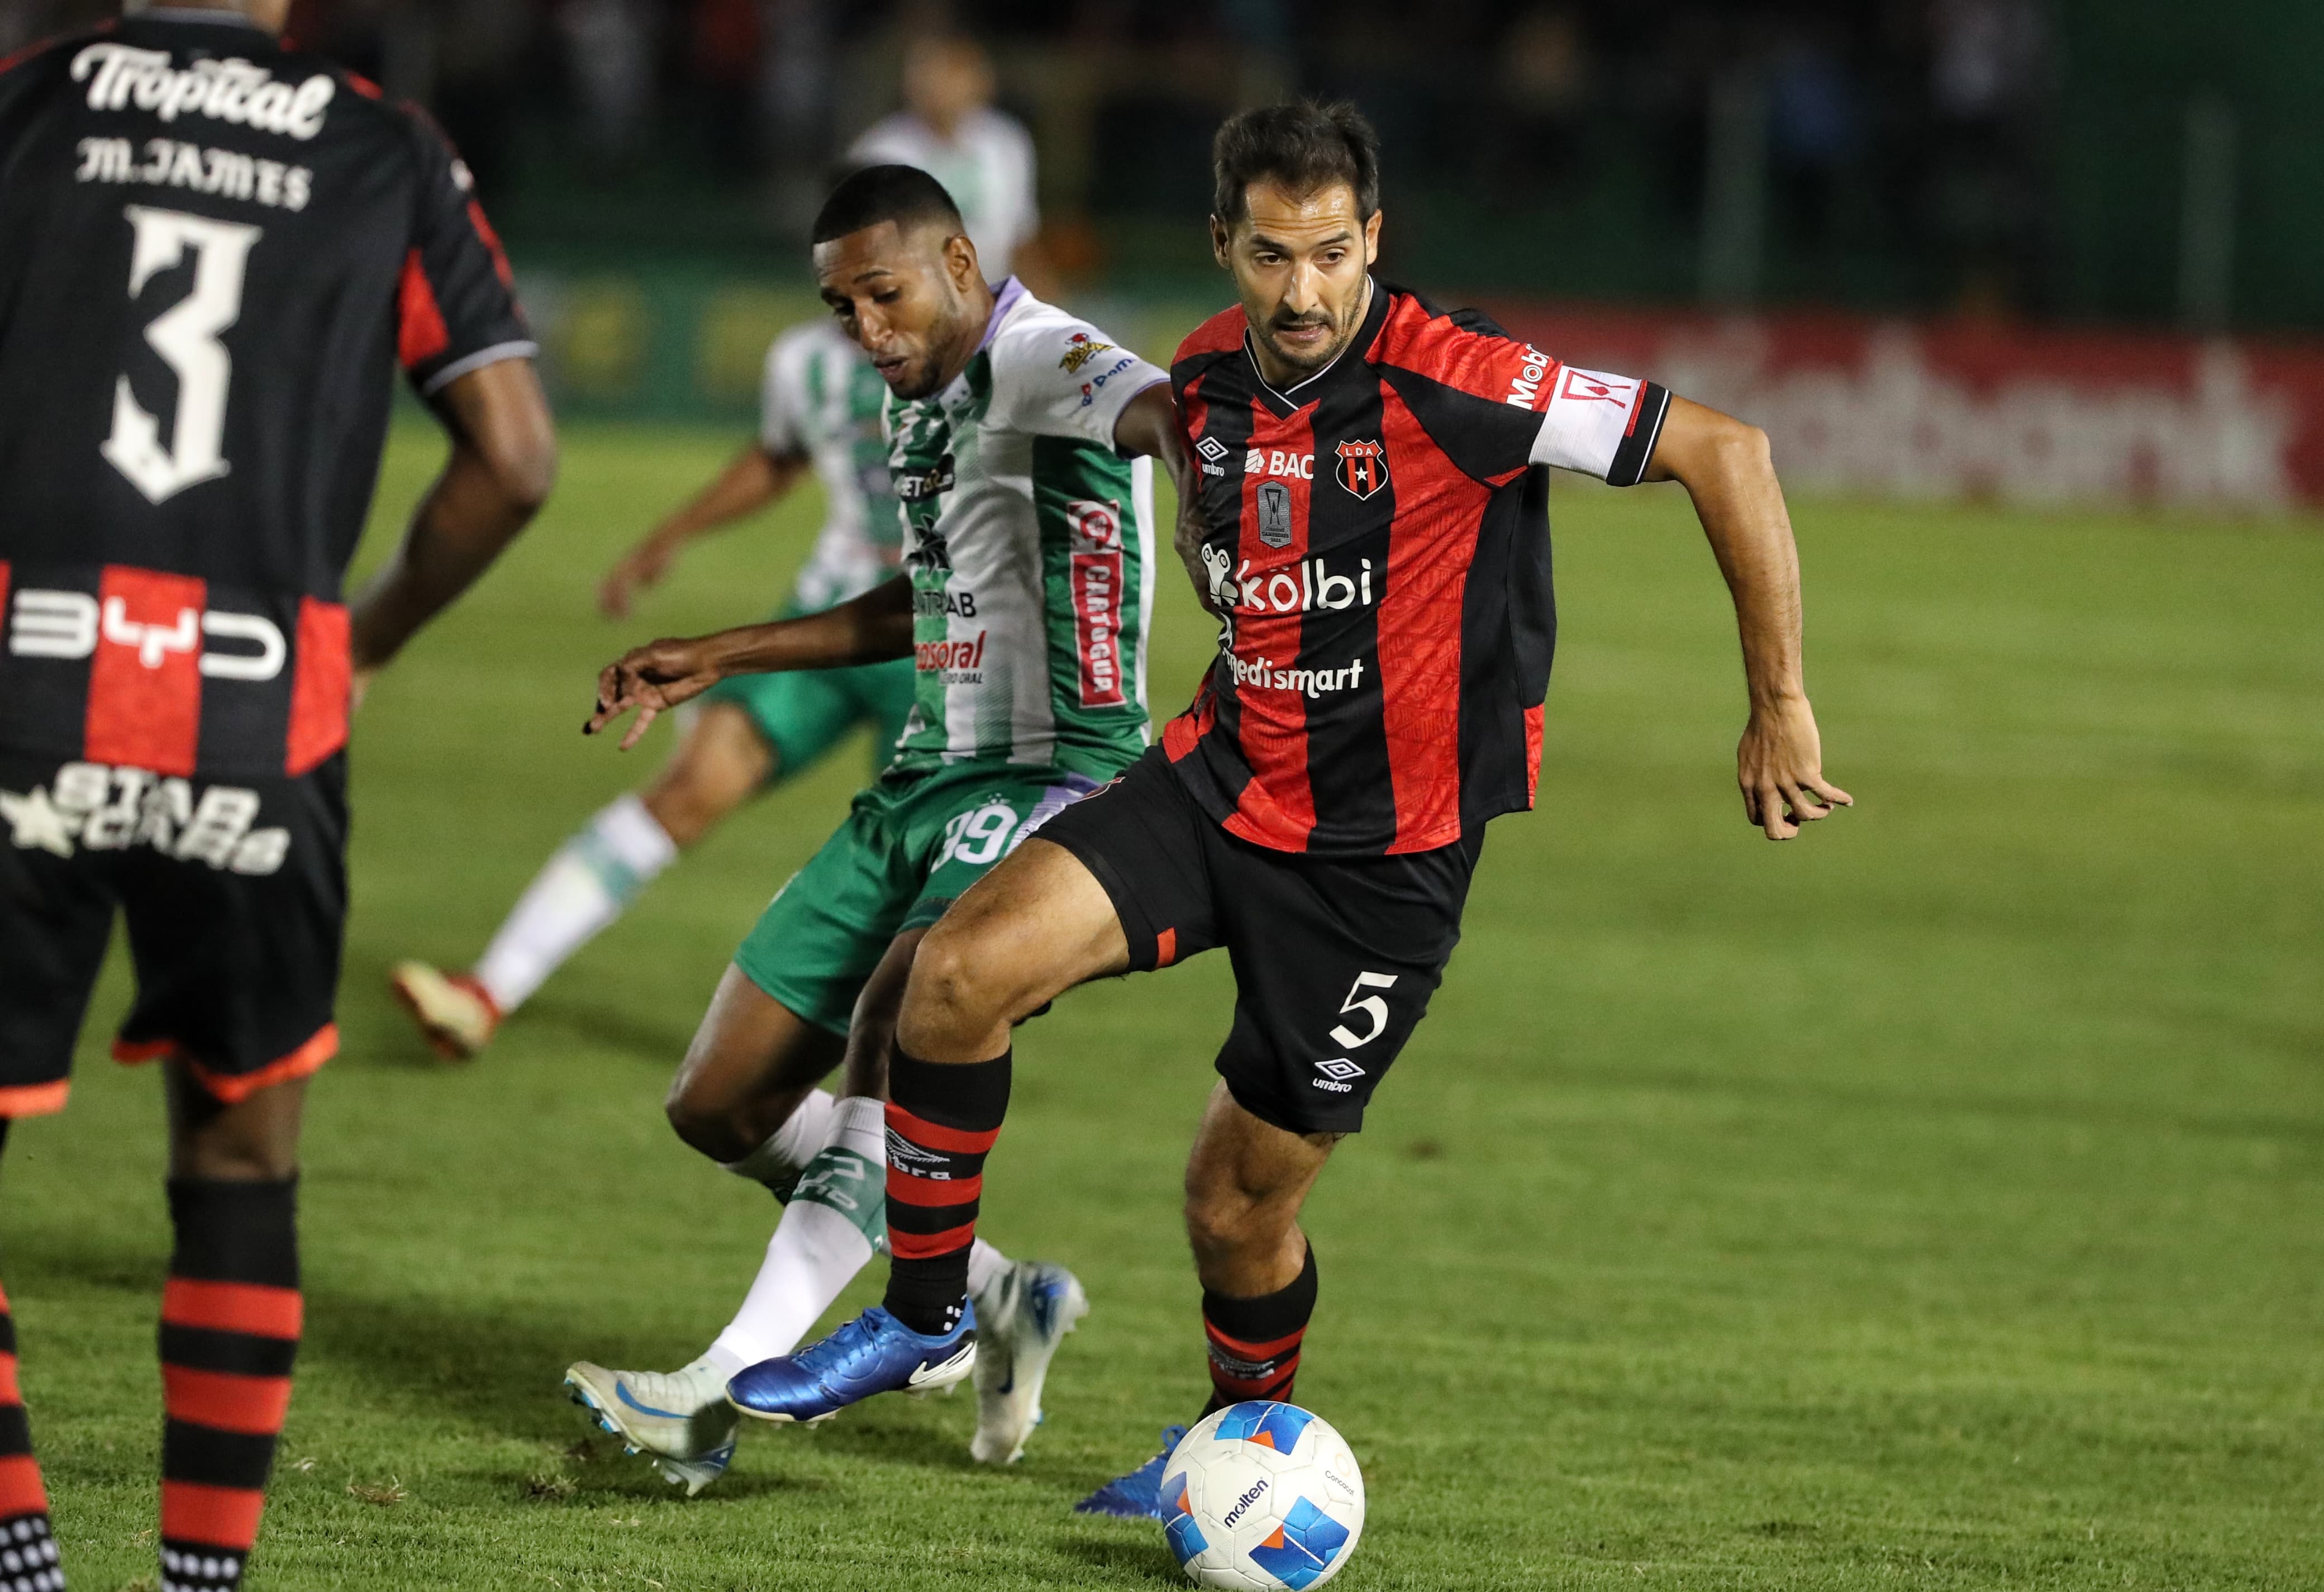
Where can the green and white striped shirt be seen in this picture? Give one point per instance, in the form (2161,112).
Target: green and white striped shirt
(822,402)
(1030,545)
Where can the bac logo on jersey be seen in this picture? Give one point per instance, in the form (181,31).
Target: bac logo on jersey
(1363,468)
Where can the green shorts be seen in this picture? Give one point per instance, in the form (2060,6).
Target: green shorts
(802,714)
(912,842)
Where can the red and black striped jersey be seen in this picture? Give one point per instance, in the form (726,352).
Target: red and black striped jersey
(214,250)
(1379,557)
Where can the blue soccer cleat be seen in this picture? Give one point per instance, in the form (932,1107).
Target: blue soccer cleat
(873,1354)
(1138,1495)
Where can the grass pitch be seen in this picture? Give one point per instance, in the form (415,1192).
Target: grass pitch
(1933,1202)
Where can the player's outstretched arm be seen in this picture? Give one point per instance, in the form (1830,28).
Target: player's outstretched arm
(752,480)
(1727,468)
(503,467)
(659,675)
(1149,425)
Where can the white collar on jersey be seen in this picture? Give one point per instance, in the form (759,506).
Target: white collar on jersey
(1004,299)
(1370,287)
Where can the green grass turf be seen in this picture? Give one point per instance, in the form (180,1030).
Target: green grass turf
(1932,1203)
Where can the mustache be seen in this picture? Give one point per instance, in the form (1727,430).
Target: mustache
(1299,322)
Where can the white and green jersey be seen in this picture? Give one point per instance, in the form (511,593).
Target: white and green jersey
(1030,545)
(821,402)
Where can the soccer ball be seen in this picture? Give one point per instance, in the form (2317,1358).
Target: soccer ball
(1262,1497)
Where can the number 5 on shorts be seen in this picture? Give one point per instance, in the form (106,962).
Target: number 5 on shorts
(1372,1006)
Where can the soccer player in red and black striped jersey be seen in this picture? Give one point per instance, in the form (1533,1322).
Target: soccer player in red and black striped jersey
(214,253)
(1364,509)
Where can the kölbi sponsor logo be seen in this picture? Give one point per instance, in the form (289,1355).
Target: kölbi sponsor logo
(1242,1505)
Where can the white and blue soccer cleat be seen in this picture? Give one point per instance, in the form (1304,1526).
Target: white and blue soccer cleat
(873,1354)
(678,1420)
(1020,1321)
(1138,1495)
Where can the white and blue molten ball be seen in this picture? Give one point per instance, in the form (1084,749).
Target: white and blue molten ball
(1262,1497)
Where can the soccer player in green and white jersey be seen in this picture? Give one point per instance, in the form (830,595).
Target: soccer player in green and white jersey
(820,413)
(1019,440)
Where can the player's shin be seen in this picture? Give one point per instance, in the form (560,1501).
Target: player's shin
(1255,1343)
(230,1321)
(24,1500)
(834,1219)
(589,883)
(942,1120)
(783,1159)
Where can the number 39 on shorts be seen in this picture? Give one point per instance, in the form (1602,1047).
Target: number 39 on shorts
(979,837)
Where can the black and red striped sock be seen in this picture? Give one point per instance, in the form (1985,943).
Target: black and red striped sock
(230,1321)
(941,1121)
(28,1551)
(1255,1342)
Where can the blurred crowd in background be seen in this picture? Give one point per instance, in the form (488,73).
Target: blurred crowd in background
(1992,157)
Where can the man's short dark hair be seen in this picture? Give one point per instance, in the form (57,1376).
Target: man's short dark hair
(1305,146)
(905,195)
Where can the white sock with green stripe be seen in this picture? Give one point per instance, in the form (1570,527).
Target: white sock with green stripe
(836,1220)
(588,884)
(836,1214)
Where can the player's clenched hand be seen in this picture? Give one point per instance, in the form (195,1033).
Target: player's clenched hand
(1780,766)
(652,679)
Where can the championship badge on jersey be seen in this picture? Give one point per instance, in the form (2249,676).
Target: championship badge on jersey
(1275,513)
(1363,468)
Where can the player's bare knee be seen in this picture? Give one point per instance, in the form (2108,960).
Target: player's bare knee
(1224,1222)
(952,997)
(703,1124)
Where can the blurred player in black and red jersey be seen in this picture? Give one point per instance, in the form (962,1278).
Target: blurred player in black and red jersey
(213,252)
(1365,510)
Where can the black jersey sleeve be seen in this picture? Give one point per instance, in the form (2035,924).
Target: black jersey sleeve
(456,308)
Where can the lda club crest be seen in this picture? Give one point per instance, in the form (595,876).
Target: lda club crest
(1363,468)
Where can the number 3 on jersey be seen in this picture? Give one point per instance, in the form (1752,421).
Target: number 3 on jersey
(186,336)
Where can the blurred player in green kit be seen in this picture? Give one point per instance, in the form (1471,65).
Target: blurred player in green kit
(820,413)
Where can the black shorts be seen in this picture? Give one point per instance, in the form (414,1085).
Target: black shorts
(1334,957)
(235,896)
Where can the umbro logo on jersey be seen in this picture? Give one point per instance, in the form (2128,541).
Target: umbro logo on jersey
(1339,1075)
(1363,466)
(1212,448)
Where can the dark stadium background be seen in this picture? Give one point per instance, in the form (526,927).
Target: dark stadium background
(1932,1203)
(1986,156)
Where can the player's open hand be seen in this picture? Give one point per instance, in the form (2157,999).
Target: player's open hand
(652,679)
(1780,767)
(639,568)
